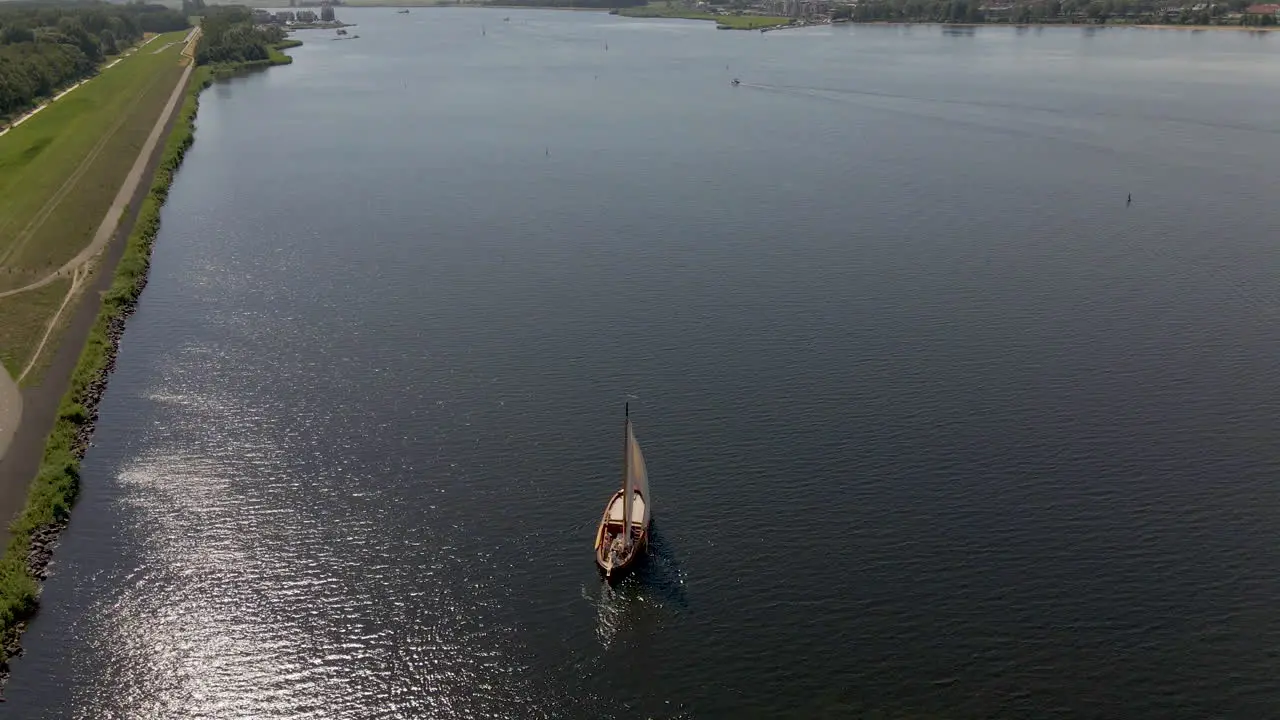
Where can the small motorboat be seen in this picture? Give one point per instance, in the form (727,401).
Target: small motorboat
(736,82)
(624,528)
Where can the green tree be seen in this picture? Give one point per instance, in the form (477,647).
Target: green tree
(107,40)
(73,28)
(229,36)
(13,34)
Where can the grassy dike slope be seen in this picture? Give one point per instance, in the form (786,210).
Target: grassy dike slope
(54,490)
(60,170)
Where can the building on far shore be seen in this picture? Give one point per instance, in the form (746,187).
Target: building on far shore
(1269,9)
(301,17)
(998,11)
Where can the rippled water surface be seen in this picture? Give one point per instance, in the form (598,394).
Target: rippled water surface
(937,425)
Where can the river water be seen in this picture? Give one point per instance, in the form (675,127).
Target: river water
(937,424)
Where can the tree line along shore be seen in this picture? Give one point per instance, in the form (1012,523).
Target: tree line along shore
(750,14)
(1233,13)
(760,14)
(753,14)
(137,71)
(45,47)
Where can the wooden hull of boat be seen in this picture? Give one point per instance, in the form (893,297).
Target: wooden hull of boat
(620,567)
(627,564)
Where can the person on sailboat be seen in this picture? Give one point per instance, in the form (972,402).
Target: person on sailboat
(616,550)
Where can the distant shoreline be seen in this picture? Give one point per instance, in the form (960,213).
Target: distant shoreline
(429,4)
(529,7)
(444,5)
(1116,26)
(316,26)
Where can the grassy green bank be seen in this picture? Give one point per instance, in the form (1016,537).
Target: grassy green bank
(25,317)
(733,22)
(56,485)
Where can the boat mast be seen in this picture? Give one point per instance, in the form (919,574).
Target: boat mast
(626,476)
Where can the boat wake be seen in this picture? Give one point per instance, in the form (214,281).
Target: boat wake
(662,573)
(849,94)
(650,597)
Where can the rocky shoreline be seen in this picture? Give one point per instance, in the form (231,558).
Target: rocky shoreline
(45,538)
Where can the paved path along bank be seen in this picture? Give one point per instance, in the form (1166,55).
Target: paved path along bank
(10,410)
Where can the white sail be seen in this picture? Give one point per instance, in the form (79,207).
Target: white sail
(637,478)
(627,490)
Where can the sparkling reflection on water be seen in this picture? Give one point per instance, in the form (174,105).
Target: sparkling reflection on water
(344,632)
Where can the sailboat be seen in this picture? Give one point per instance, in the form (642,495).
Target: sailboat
(624,527)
